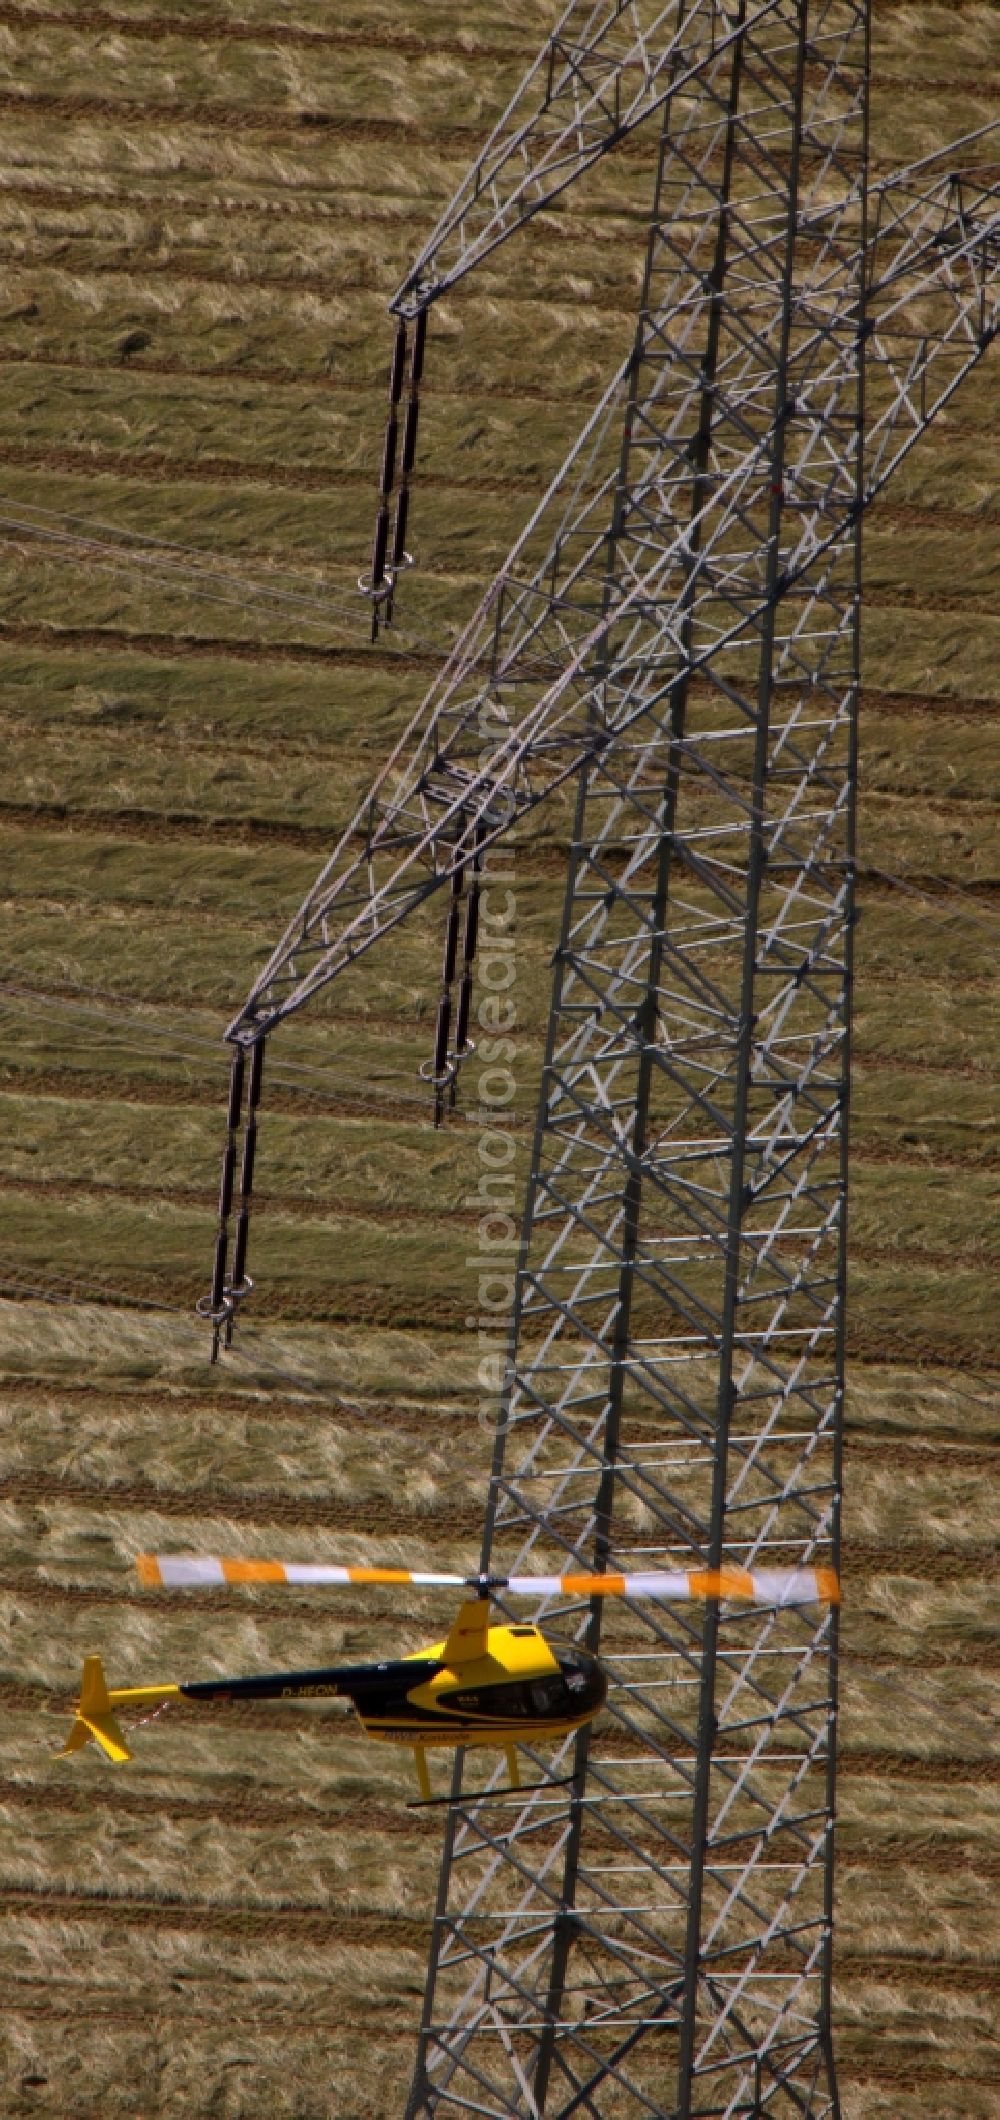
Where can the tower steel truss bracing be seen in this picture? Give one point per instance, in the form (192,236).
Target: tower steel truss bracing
(675,636)
(657,1940)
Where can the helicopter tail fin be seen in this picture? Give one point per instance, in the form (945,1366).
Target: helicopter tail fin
(95,1720)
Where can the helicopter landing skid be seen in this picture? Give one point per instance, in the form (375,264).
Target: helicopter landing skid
(524,1788)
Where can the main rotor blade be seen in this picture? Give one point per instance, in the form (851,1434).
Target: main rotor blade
(189,1571)
(761,1586)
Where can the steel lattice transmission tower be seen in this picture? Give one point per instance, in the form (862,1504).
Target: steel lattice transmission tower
(658,1938)
(676,638)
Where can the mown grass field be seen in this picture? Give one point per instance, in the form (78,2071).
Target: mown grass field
(203,210)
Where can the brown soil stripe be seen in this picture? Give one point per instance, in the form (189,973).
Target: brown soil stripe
(362,1410)
(311,1924)
(610,299)
(176,647)
(123,1088)
(282,1095)
(311,380)
(276,2017)
(862,1557)
(390,1310)
(936,1445)
(969,712)
(157,28)
(231,1808)
(173,647)
(313,1207)
(85,2007)
(154,466)
(938,706)
(183,918)
(535,861)
(299,206)
(207,115)
(405,1933)
(306,1207)
(210,116)
(299,1511)
(213,29)
(358,1303)
(298,203)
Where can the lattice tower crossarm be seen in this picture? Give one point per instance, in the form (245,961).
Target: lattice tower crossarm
(463,773)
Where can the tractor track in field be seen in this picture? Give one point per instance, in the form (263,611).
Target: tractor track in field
(348,282)
(381,211)
(300,206)
(277,35)
(361,1411)
(206,114)
(179,735)
(304,1207)
(408,1933)
(157,29)
(163,1295)
(334,1814)
(249,1506)
(213,116)
(313,1207)
(536,862)
(155,467)
(69,640)
(310,1924)
(335,1209)
(126,1089)
(184,915)
(178,647)
(365,1410)
(273,2017)
(307,381)
(146,1092)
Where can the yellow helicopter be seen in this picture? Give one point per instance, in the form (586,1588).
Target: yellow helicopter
(484,1684)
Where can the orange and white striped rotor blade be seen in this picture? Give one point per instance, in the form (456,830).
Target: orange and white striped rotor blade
(192,1571)
(758,1586)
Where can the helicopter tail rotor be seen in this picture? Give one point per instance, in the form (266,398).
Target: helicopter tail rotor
(95,1721)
